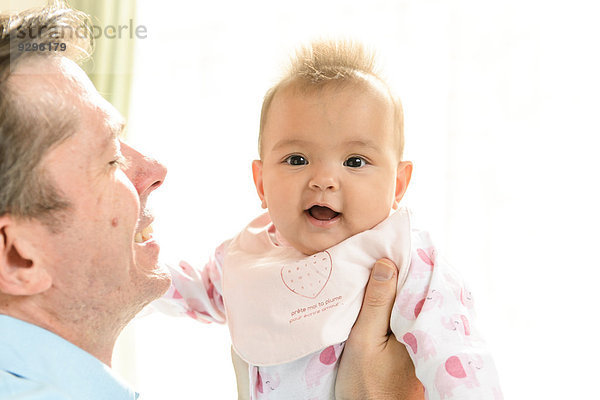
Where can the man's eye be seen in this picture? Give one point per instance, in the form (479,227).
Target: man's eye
(296,160)
(355,162)
(119,162)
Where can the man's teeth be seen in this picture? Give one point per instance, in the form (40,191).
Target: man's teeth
(144,235)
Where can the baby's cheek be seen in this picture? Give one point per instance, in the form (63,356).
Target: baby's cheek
(371,215)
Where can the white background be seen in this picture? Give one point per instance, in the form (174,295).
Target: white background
(502,107)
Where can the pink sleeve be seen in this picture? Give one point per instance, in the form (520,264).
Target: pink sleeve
(434,317)
(196,292)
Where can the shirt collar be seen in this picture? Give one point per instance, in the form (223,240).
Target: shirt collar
(37,354)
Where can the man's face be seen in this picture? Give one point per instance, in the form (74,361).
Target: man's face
(95,260)
(330,164)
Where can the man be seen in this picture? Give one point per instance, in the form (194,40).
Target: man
(76,261)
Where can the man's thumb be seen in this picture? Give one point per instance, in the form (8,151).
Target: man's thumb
(374,318)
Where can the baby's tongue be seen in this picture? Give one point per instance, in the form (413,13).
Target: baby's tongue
(322,213)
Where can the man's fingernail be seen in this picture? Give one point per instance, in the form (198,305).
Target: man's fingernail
(383,271)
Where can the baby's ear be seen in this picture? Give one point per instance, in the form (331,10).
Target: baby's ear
(21,270)
(403,175)
(258,181)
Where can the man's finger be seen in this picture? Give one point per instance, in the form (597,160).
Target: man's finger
(374,319)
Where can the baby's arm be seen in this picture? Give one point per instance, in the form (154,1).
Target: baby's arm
(434,317)
(196,292)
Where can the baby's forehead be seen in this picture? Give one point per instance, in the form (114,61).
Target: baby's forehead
(291,99)
(351,111)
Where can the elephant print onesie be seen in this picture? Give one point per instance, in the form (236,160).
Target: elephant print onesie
(289,314)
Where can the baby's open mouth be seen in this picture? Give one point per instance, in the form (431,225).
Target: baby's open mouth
(322,213)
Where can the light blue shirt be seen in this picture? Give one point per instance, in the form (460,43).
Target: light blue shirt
(36,364)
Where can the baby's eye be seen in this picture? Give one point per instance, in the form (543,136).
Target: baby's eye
(355,162)
(296,160)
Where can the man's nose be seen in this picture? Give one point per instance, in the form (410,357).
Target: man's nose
(145,173)
(324,178)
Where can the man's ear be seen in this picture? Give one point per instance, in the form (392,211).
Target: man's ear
(403,175)
(21,270)
(258,181)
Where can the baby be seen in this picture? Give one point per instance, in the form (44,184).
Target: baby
(331,176)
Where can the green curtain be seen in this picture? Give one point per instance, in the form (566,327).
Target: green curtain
(111,65)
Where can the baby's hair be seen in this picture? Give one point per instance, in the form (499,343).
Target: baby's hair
(339,62)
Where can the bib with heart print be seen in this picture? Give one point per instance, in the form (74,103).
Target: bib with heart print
(282,305)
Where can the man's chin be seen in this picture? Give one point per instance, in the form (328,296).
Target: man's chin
(152,282)
(162,278)
(154,276)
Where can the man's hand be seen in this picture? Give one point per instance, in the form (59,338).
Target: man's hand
(374,365)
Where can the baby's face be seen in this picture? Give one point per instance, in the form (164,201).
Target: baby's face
(330,165)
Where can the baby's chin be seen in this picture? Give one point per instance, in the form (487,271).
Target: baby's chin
(318,245)
(310,249)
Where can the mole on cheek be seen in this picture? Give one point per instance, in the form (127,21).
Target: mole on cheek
(115,222)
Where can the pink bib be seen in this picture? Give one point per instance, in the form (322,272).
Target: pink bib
(282,305)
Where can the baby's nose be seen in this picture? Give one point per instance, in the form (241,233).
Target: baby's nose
(324,179)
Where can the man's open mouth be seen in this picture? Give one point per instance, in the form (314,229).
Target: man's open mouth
(144,235)
(322,213)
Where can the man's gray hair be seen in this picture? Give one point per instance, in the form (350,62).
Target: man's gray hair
(28,131)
